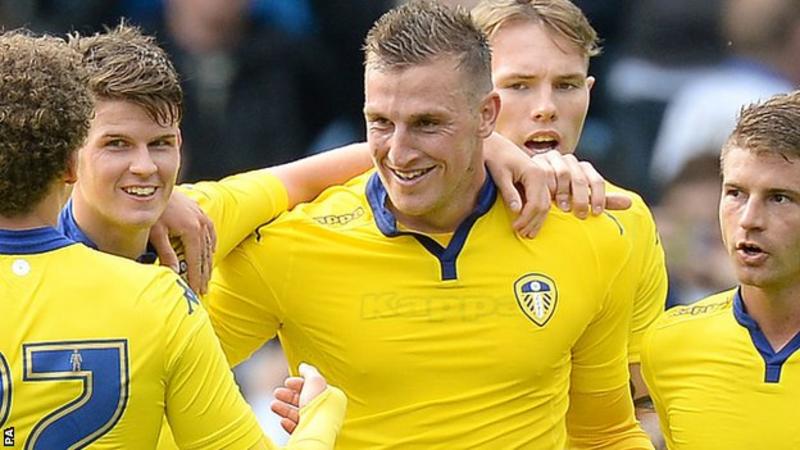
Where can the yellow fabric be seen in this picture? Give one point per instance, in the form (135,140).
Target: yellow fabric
(448,364)
(650,287)
(236,205)
(77,300)
(708,382)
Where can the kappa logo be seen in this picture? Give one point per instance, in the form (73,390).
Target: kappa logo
(340,219)
(537,297)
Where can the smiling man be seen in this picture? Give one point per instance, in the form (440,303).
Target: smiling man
(540,61)
(408,277)
(722,371)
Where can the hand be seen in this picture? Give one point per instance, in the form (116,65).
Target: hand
(579,182)
(184,220)
(297,393)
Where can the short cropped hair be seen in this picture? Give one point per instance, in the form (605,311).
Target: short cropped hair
(559,16)
(771,126)
(420,31)
(125,64)
(45,110)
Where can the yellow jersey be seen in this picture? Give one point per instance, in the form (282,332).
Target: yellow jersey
(650,288)
(482,342)
(716,381)
(95,349)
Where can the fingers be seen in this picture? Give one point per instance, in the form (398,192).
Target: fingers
(562,175)
(159,239)
(510,195)
(597,187)
(288,425)
(313,385)
(195,248)
(579,187)
(618,202)
(285,411)
(533,214)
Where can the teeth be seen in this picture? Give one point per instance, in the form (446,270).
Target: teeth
(140,191)
(410,174)
(543,139)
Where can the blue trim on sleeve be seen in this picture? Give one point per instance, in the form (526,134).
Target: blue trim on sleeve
(773,361)
(32,241)
(387,223)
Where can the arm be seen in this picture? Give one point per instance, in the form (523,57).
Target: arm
(649,302)
(205,408)
(648,365)
(601,409)
(241,304)
(536,181)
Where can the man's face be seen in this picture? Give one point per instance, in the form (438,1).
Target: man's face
(759,213)
(542,82)
(425,132)
(128,166)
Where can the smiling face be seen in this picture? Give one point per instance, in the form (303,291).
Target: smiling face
(759,213)
(425,131)
(543,84)
(127,168)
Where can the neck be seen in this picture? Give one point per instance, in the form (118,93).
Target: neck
(776,311)
(449,216)
(128,242)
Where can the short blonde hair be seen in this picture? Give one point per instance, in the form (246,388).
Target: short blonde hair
(771,126)
(560,16)
(420,31)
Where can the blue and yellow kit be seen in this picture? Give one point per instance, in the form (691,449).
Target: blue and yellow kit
(479,339)
(716,381)
(96,349)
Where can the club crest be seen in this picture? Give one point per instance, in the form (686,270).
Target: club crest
(537,297)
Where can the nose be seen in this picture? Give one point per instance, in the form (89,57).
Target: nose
(401,147)
(543,108)
(142,163)
(752,215)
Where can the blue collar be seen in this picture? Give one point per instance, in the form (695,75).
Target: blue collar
(774,361)
(35,240)
(69,227)
(387,223)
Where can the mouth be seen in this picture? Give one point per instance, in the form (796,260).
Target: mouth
(542,143)
(750,252)
(410,175)
(140,192)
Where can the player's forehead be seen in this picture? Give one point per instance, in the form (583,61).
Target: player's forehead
(523,47)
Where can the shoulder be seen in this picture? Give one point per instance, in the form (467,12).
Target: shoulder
(338,207)
(684,319)
(124,278)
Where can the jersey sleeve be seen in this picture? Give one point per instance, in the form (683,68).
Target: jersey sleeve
(243,306)
(651,291)
(238,204)
(650,364)
(601,413)
(204,407)
(320,422)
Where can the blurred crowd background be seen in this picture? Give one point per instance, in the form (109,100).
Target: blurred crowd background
(269,81)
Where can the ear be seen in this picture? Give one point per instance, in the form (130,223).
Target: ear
(590,83)
(489,109)
(71,173)
(179,144)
